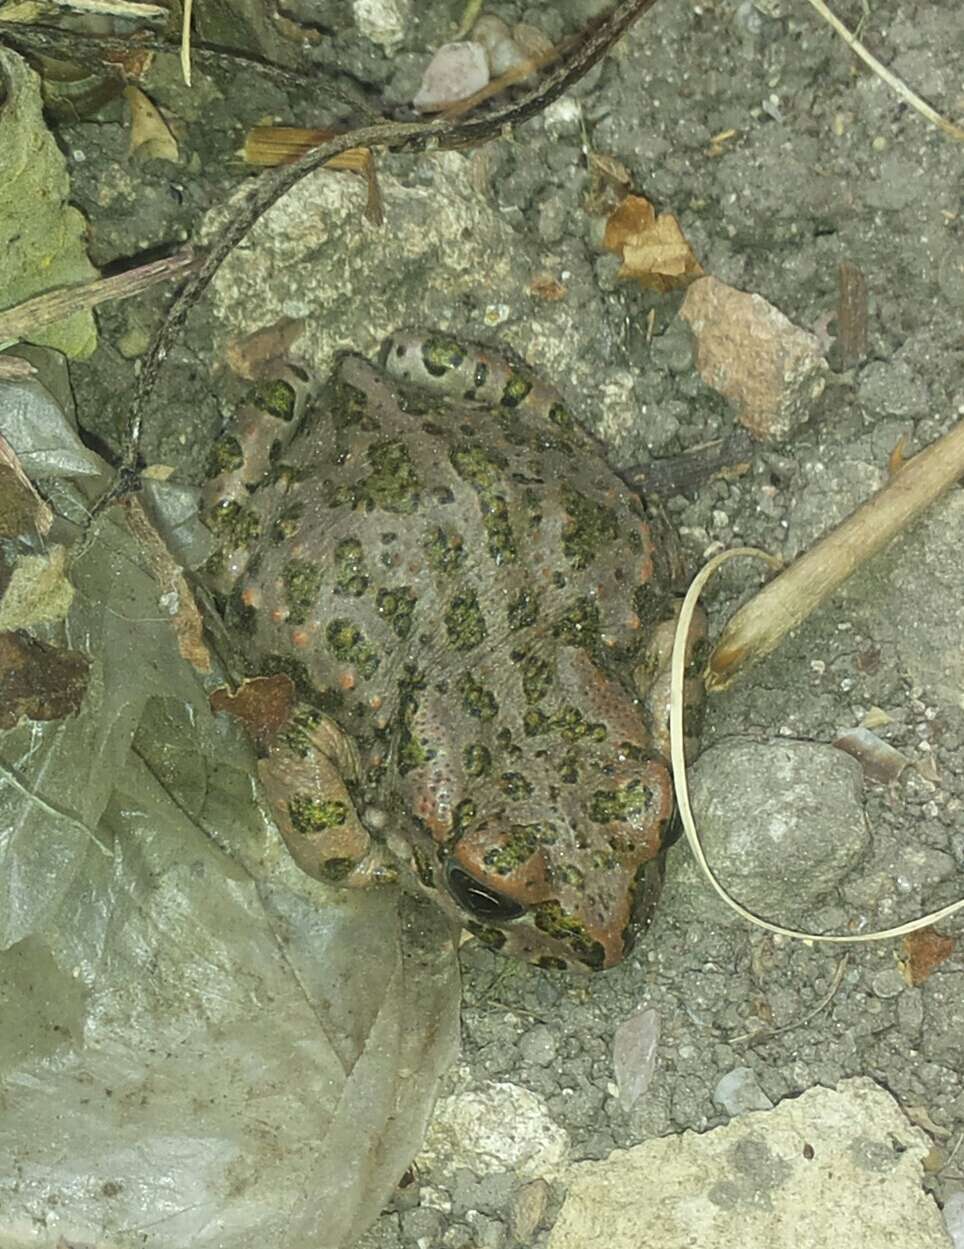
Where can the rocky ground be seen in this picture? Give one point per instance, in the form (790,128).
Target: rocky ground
(782,157)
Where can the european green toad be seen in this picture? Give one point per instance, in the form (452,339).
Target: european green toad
(461,588)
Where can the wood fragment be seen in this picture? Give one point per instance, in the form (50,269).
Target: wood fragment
(851,315)
(27,318)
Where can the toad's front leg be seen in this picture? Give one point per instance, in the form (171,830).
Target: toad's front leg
(306,772)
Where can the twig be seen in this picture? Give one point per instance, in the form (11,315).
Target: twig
(895,84)
(90,49)
(765,1034)
(27,318)
(186,41)
(115,8)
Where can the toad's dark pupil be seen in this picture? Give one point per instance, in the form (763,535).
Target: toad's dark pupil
(477,898)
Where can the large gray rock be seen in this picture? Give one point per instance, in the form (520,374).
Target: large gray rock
(781,823)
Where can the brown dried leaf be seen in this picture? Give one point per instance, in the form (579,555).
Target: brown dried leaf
(22,511)
(13,369)
(248,356)
(545,286)
(879,760)
(151,139)
(280,145)
(262,704)
(653,248)
(38,681)
(609,183)
(921,952)
(133,63)
(175,593)
(898,456)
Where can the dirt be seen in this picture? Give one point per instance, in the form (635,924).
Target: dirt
(782,156)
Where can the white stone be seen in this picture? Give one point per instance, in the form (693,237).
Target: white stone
(456,71)
(501,1127)
(830,1167)
(954,1219)
(382,21)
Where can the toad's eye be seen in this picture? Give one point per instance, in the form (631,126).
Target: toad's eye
(479,899)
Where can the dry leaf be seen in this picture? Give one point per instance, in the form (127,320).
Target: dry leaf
(545,286)
(248,356)
(22,511)
(920,1116)
(898,456)
(158,472)
(150,137)
(880,761)
(609,183)
(38,681)
(921,952)
(653,248)
(280,145)
(263,704)
(175,596)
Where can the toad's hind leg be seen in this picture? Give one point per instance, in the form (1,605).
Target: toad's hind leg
(306,772)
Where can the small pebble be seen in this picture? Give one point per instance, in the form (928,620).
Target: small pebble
(456,71)
(888,983)
(500,48)
(634,1055)
(954,1218)
(739,1091)
(538,1046)
(527,1210)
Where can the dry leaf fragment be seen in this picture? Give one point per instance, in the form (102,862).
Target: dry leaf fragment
(38,681)
(545,286)
(151,138)
(280,145)
(653,248)
(262,704)
(852,310)
(38,590)
(898,456)
(876,718)
(174,593)
(921,952)
(609,183)
(920,1116)
(22,511)
(248,356)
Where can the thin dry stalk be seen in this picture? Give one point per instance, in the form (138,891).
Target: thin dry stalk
(892,81)
(25,319)
(790,598)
